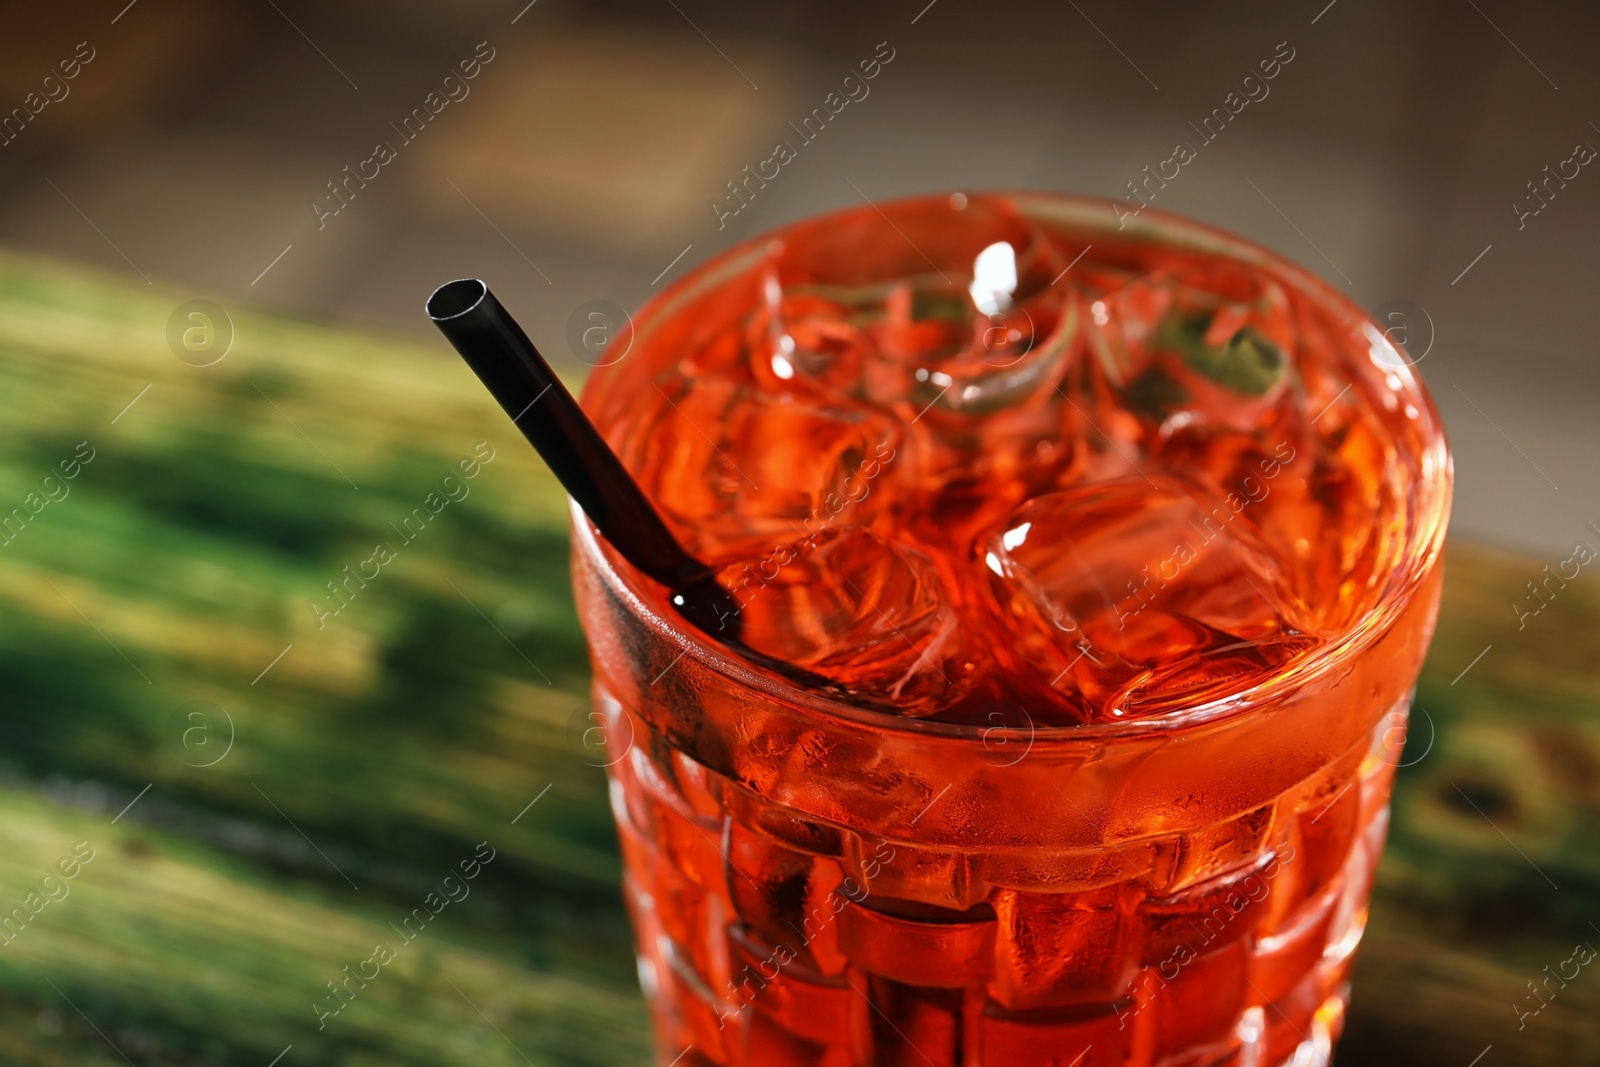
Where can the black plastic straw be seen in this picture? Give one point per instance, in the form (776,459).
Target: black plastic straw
(512,369)
(514,372)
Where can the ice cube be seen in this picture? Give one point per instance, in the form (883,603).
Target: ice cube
(1326,520)
(1209,343)
(1022,330)
(1138,595)
(862,306)
(735,472)
(989,424)
(807,339)
(1321,470)
(1007,358)
(971,472)
(868,613)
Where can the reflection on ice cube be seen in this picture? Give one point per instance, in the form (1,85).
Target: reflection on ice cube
(994,278)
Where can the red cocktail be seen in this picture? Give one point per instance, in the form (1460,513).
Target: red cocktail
(1123,548)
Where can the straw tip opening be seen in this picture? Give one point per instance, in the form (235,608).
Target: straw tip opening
(454,299)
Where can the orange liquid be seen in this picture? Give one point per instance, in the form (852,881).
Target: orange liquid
(1129,567)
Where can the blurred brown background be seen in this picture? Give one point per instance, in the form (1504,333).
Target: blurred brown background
(1387,157)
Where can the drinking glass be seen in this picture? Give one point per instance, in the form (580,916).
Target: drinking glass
(817,883)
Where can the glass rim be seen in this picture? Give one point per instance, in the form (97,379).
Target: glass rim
(1424,542)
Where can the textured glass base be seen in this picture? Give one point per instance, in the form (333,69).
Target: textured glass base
(768,940)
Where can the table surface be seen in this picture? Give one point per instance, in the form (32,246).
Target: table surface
(266,791)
